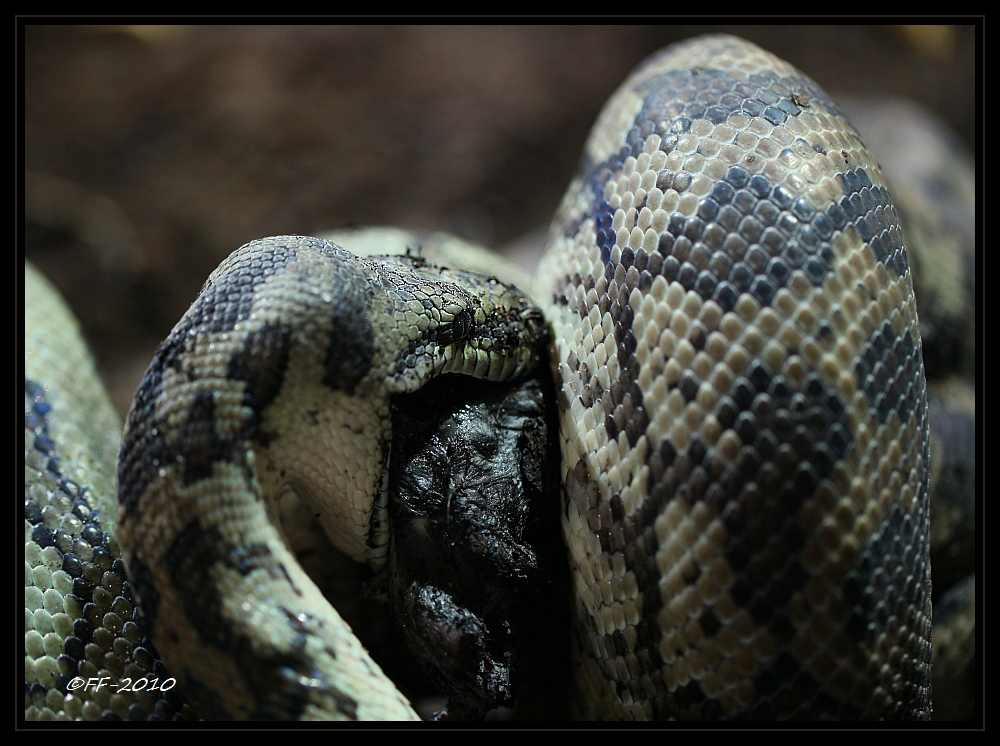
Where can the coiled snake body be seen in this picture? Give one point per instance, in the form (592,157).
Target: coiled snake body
(743,425)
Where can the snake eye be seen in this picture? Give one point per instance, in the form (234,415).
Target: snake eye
(534,325)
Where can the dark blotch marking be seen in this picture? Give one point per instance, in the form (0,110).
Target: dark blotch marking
(144,448)
(199,444)
(869,208)
(351,347)
(283,680)
(261,365)
(877,589)
(890,372)
(229,298)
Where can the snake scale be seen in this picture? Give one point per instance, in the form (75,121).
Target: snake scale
(743,426)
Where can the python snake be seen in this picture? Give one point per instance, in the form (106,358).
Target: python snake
(743,424)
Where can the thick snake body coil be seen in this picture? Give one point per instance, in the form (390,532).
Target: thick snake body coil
(743,422)
(745,437)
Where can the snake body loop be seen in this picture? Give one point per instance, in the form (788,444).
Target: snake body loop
(279,376)
(743,423)
(744,419)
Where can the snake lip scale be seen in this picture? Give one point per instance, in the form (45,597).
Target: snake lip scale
(728,310)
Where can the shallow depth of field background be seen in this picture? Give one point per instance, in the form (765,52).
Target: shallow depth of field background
(153,152)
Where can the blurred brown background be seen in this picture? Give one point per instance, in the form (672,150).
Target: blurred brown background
(153,152)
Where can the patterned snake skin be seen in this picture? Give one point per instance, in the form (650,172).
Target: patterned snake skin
(745,436)
(743,421)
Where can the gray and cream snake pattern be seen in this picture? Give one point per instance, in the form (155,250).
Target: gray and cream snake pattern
(743,423)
